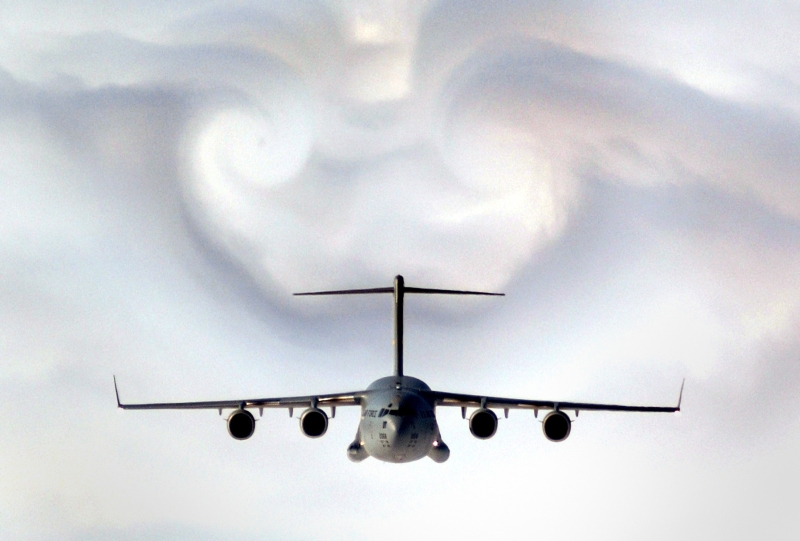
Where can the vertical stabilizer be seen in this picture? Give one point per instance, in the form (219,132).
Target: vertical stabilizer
(399,291)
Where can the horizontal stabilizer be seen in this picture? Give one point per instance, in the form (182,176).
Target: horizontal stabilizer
(349,291)
(449,292)
(423,290)
(399,290)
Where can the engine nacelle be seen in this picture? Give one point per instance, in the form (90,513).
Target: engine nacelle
(241,424)
(556,426)
(314,422)
(483,423)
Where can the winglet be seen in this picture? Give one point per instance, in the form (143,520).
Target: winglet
(680,396)
(116,391)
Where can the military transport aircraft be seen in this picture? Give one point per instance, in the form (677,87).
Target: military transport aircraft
(398,413)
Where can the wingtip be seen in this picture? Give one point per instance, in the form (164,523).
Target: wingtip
(680,395)
(116,391)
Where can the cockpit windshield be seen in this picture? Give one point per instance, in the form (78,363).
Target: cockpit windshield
(404,412)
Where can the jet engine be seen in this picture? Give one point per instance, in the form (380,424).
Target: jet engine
(556,426)
(483,423)
(241,424)
(314,422)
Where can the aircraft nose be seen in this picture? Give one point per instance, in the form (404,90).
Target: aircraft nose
(395,428)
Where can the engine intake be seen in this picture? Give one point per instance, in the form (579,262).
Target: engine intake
(483,423)
(556,426)
(314,422)
(241,424)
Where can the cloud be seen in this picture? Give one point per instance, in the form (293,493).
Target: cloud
(512,131)
(628,175)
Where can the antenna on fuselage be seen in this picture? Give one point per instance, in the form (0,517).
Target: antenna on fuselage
(399,291)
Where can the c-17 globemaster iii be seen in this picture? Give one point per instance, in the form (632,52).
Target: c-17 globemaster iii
(398,412)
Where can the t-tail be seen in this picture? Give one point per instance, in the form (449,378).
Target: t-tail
(399,290)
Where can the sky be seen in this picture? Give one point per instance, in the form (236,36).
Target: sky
(626,172)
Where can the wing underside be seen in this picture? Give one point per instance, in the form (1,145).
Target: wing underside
(437,397)
(469,400)
(332,400)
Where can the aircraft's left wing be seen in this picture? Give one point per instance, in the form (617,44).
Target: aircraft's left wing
(330,400)
(476,401)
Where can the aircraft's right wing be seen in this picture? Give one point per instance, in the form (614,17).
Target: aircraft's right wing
(328,400)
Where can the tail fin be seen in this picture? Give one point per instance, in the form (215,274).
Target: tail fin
(399,291)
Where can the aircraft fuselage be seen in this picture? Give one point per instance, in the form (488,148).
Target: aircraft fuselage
(398,423)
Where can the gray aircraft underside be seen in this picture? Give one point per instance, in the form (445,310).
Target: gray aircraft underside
(398,413)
